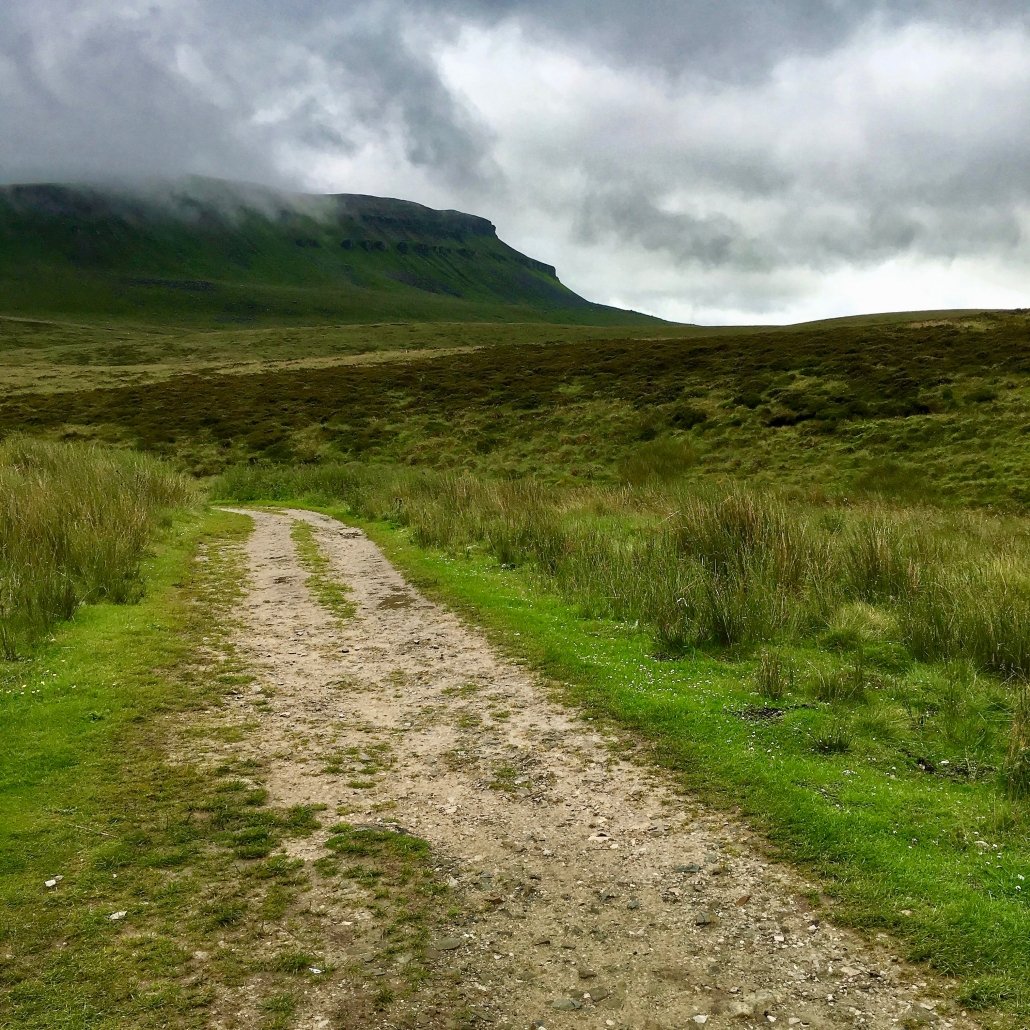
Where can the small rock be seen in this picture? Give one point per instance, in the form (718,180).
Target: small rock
(742,900)
(701,1019)
(566,1004)
(115,916)
(691,867)
(704,919)
(740,1010)
(633,905)
(586,974)
(54,882)
(448,944)
(918,1016)
(597,994)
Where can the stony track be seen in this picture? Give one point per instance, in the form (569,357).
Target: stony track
(591,891)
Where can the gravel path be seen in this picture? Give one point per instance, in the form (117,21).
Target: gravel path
(593,893)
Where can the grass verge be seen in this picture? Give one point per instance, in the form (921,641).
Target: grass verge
(75,524)
(932,860)
(136,886)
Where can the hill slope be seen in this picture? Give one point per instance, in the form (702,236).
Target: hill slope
(206,252)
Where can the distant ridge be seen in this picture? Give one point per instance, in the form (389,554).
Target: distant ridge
(209,251)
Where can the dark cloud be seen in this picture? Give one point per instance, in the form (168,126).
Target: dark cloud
(735,40)
(173,88)
(733,152)
(712,241)
(387,82)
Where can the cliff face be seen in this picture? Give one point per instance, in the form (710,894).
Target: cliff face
(349,255)
(403,216)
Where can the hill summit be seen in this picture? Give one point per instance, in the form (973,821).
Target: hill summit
(209,251)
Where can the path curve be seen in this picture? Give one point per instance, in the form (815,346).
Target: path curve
(603,896)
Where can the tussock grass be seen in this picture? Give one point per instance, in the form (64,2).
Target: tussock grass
(844,604)
(75,523)
(703,566)
(975,610)
(775,676)
(1017,763)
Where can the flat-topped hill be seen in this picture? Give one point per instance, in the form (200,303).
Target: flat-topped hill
(209,252)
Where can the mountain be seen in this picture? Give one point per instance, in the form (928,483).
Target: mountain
(208,252)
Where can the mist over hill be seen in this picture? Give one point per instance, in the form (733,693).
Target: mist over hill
(203,251)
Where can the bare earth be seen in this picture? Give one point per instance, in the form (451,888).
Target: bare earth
(588,891)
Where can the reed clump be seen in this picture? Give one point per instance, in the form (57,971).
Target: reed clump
(700,566)
(75,524)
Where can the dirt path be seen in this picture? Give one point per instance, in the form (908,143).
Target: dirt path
(589,893)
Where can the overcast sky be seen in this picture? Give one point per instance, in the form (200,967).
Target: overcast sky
(704,160)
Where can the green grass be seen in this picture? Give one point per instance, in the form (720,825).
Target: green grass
(328,590)
(75,523)
(896,411)
(90,793)
(935,859)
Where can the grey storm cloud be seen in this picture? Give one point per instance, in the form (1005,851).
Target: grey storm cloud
(168,88)
(660,151)
(726,39)
(707,241)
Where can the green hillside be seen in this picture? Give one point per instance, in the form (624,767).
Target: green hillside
(206,253)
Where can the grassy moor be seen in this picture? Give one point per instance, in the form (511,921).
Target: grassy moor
(790,566)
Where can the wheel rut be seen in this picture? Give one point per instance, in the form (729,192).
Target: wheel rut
(588,891)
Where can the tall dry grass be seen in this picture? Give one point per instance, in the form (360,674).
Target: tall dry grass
(75,523)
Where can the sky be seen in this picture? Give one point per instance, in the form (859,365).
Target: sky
(713,161)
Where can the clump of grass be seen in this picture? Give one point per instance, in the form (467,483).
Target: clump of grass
(658,460)
(1016,771)
(75,524)
(880,559)
(978,610)
(856,625)
(774,676)
(842,684)
(836,737)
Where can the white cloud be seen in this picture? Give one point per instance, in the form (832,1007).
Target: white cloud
(882,175)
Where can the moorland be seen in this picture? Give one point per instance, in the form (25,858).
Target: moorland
(792,561)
